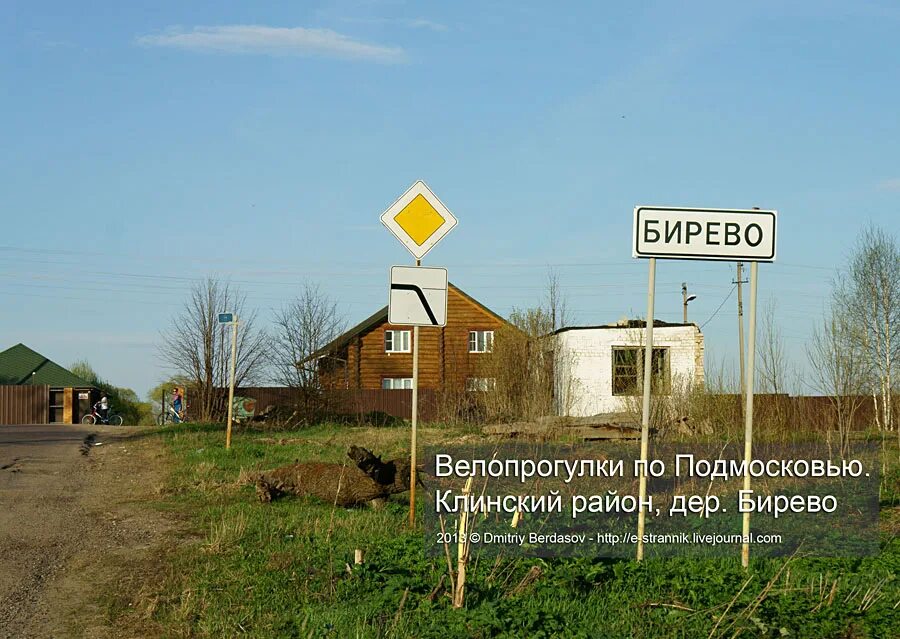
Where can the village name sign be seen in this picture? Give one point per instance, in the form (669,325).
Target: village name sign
(704,234)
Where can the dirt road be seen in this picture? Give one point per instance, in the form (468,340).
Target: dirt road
(71,523)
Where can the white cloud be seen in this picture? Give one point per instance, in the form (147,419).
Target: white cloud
(422,23)
(257,39)
(893,184)
(409,23)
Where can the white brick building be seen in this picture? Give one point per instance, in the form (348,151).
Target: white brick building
(598,368)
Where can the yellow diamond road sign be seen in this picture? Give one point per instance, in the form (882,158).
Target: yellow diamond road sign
(418,219)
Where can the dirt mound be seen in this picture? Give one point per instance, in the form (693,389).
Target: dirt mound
(350,484)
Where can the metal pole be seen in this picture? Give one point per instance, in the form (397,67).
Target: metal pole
(748,410)
(740,277)
(645,413)
(415,419)
(684,301)
(231,385)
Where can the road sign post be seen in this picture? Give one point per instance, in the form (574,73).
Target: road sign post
(419,220)
(229,318)
(418,297)
(748,410)
(414,425)
(702,234)
(645,406)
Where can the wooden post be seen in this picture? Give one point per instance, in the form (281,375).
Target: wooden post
(68,395)
(462,550)
(234,324)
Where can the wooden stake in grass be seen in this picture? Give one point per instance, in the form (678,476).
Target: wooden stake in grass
(462,550)
(400,609)
(447,556)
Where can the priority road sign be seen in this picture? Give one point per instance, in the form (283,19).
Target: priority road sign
(418,296)
(704,234)
(418,219)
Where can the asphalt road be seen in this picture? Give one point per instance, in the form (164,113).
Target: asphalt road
(19,440)
(42,473)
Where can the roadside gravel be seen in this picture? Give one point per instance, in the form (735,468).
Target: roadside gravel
(74,524)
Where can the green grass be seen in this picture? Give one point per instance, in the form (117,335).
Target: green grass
(280,569)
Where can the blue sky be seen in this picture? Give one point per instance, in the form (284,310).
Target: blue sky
(146,147)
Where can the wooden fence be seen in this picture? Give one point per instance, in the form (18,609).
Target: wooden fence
(805,412)
(24,404)
(801,412)
(396,403)
(363,402)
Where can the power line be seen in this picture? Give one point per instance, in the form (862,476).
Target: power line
(720,307)
(194,258)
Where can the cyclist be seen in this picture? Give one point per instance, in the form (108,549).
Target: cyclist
(102,409)
(177,404)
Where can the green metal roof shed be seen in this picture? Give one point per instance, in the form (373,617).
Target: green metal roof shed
(21,366)
(36,390)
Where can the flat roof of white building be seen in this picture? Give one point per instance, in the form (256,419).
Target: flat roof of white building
(635,323)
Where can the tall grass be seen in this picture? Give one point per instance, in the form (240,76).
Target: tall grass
(287,569)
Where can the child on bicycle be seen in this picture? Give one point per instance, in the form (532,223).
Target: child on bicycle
(102,408)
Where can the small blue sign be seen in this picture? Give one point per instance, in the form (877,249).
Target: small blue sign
(226,318)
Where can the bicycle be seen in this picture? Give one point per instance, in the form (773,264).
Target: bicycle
(112,419)
(169,416)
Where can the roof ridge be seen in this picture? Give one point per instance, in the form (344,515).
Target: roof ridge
(20,364)
(477,303)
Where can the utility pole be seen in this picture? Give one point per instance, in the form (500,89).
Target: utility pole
(740,280)
(685,299)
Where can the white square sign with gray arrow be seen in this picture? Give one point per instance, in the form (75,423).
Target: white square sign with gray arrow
(418,296)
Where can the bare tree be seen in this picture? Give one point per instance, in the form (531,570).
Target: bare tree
(525,360)
(521,368)
(870,295)
(772,360)
(840,370)
(302,327)
(555,302)
(199,349)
